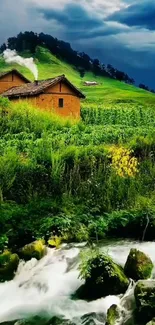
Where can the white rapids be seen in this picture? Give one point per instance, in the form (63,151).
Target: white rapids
(45,287)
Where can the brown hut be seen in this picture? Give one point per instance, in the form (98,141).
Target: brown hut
(55,94)
(11,79)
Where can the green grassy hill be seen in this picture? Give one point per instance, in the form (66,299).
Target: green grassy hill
(106,93)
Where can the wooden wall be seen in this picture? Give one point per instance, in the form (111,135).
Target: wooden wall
(9,81)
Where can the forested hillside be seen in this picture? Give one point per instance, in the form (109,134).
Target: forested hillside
(29,41)
(107,91)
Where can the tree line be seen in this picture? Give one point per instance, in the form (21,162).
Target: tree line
(82,61)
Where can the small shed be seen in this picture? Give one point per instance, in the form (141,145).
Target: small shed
(11,78)
(55,94)
(91,83)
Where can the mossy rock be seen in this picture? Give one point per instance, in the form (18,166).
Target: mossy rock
(152,322)
(55,241)
(37,250)
(93,319)
(113,315)
(8,265)
(104,278)
(138,265)
(59,321)
(145,300)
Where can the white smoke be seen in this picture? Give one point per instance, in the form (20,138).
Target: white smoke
(11,56)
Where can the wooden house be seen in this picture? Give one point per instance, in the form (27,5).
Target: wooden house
(12,78)
(55,94)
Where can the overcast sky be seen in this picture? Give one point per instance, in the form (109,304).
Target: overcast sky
(120,32)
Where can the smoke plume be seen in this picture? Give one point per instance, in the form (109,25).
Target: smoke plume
(11,56)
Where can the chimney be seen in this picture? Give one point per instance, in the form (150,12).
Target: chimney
(36,82)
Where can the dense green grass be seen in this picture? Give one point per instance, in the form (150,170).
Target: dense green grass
(57,175)
(106,93)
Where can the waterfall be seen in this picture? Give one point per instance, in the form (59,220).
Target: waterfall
(45,287)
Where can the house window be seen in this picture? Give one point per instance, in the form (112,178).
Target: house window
(61,102)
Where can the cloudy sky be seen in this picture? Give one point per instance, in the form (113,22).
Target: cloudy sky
(120,32)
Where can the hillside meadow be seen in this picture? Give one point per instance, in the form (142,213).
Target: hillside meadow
(107,92)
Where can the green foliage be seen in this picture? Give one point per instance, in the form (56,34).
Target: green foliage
(102,276)
(56,174)
(8,167)
(8,265)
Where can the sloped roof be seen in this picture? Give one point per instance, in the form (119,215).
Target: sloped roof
(36,88)
(5,73)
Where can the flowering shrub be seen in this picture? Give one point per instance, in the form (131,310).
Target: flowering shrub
(124,164)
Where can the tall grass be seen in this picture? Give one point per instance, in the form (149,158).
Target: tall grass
(58,174)
(59,156)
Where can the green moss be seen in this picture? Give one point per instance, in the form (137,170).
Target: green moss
(36,250)
(112,315)
(152,322)
(8,265)
(102,277)
(145,300)
(138,265)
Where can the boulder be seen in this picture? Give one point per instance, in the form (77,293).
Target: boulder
(104,277)
(40,321)
(113,315)
(37,250)
(55,241)
(93,319)
(60,321)
(8,265)
(152,322)
(138,265)
(145,300)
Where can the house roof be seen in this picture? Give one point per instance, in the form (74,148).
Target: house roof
(5,73)
(36,88)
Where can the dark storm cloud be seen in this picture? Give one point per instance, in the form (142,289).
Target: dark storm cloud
(113,39)
(78,23)
(72,16)
(140,14)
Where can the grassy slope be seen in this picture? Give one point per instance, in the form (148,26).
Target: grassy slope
(107,92)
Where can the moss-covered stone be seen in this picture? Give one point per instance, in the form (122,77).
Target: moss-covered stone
(55,241)
(104,277)
(138,265)
(145,300)
(93,318)
(8,265)
(152,322)
(37,250)
(113,315)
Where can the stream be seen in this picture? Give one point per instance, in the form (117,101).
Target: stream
(44,288)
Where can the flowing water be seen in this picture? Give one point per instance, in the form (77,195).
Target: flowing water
(45,287)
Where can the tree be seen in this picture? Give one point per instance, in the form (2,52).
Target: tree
(2,48)
(82,72)
(111,70)
(142,86)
